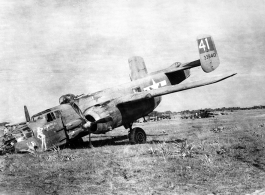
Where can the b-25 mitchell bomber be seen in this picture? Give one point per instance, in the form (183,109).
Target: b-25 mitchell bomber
(103,111)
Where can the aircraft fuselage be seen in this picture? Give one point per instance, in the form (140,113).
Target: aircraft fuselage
(106,102)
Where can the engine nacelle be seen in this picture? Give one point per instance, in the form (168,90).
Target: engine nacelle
(96,113)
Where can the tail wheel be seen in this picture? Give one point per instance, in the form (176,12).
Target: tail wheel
(137,136)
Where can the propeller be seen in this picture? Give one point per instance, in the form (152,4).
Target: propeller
(88,124)
(79,112)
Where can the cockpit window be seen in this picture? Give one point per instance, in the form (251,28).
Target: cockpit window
(136,89)
(50,117)
(40,117)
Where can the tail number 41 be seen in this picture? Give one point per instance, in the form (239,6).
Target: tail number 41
(205,45)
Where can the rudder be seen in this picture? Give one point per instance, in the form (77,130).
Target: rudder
(27,116)
(137,67)
(208,54)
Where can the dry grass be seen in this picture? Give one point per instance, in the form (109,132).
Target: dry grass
(190,158)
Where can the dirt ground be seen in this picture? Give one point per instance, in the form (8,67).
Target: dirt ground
(221,155)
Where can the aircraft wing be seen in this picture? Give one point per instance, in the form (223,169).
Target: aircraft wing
(171,89)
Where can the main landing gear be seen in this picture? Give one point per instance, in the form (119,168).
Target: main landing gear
(137,135)
(90,143)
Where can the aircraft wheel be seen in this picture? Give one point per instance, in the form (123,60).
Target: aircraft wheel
(137,136)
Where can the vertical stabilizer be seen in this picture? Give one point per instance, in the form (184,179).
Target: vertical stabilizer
(208,53)
(137,67)
(26,114)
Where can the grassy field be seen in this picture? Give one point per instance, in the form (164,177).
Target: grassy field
(221,155)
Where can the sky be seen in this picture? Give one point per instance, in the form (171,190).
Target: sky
(53,47)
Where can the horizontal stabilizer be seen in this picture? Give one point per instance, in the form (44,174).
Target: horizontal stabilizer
(171,89)
(177,66)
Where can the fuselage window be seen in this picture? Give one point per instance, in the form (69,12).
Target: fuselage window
(136,89)
(50,117)
(41,117)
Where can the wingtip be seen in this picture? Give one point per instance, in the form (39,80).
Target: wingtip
(227,76)
(232,75)
(220,78)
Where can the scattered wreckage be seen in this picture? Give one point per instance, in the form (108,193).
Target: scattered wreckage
(12,140)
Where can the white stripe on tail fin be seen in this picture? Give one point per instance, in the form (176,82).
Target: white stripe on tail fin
(208,53)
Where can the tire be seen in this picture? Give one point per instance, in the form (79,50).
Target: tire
(137,136)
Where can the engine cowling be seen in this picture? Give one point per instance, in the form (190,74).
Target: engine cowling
(96,113)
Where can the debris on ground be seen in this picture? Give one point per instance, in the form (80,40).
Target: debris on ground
(218,129)
(7,144)
(180,149)
(19,139)
(262,125)
(221,151)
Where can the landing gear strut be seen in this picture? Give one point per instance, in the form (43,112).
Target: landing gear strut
(90,143)
(137,135)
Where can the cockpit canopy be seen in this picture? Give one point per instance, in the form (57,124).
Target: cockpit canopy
(65,99)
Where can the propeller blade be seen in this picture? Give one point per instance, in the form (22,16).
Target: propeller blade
(104,120)
(88,124)
(78,111)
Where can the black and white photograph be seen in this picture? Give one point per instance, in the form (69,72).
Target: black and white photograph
(132,97)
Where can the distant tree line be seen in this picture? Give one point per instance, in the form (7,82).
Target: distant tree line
(231,109)
(3,123)
(160,114)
